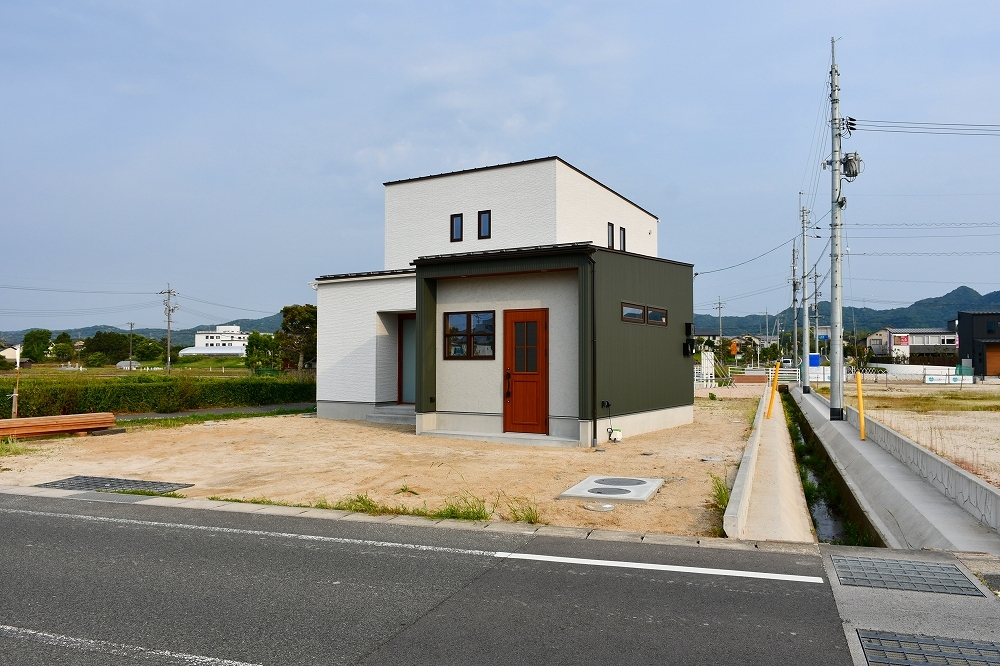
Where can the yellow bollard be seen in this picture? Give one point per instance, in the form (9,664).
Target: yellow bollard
(774,389)
(861,406)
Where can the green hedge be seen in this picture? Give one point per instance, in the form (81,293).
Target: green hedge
(148,393)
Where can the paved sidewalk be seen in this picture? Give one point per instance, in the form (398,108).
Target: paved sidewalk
(778,509)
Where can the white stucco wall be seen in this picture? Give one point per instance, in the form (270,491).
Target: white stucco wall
(584,208)
(476,387)
(418,213)
(356,358)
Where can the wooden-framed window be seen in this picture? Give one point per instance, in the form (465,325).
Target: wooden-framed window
(621,239)
(470,336)
(485,224)
(634,314)
(611,236)
(656,316)
(456,227)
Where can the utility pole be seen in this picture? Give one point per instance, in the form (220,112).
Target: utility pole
(169,310)
(719,307)
(816,308)
(836,256)
(131,326)
(795,305)
(804,214)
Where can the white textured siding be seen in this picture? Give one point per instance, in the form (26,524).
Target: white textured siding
(477,386)
(354,344)
(522,199)
(584,209)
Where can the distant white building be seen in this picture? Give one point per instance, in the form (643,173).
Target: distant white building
(223,341)
(902,342)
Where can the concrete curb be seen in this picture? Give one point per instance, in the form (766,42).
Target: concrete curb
(734,521)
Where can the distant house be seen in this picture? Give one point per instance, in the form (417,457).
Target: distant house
(979,340)
(223,341)
(906,342)
(9,353)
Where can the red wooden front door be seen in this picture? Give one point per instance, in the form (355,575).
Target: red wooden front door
(526,371)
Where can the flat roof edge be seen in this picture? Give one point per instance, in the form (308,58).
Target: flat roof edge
(522,163)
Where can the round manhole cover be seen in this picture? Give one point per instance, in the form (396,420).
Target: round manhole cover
(609,491)
(616,481)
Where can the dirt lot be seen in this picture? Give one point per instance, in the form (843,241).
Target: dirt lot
(295,459)
(960,424)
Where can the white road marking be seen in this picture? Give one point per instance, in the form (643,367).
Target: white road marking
(116,649)
(661,567)
(433,549)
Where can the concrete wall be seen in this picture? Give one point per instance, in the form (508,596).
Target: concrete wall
(356,345)
(469,394)
(965,489)
(584,208)
(522,199)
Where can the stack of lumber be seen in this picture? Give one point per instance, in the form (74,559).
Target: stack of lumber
(39,426)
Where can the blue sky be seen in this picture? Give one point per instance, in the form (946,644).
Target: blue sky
(238,150)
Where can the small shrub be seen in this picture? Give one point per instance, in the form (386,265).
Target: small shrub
(96,360)
(712,396)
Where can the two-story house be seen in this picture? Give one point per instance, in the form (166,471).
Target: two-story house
(518,303)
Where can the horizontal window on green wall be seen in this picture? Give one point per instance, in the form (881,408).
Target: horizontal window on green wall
(656,316)
(635,314)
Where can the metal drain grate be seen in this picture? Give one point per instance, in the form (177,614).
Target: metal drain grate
(903,575)
(106,483)
(903,649)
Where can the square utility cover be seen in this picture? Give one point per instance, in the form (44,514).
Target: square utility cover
(608,488)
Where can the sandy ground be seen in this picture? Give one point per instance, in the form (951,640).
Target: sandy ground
(295,459)
(970,439)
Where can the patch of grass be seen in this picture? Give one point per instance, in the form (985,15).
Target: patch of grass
(405,490)
(11,447)
(464,506)
(256,500)
(362,503)
(522,509)
(177,421)
(717,502)
(712,396)
(140,491)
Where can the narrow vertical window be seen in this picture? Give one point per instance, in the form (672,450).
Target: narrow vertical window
(485,223)
(611,236)
(621,243)
(456,228)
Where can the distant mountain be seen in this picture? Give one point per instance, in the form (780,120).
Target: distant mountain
(178,337)
(926,313)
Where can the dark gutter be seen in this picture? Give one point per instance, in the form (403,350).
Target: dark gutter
(347,276)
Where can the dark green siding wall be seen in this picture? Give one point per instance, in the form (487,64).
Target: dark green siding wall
(642,367)
(426,344)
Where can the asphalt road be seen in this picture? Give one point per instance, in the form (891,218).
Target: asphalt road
(109,583)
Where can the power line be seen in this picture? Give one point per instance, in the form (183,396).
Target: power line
(921,254)
(928,225)
(743,263)
(231,307)
(77,291)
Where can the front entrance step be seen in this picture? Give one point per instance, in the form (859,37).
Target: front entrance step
(524,438)
(398,414)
